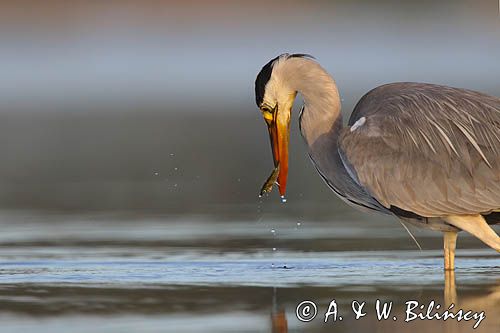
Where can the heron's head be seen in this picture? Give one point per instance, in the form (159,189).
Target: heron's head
(275,98)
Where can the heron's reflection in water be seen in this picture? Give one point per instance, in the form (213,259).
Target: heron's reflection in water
(450,287)
(489,301)
(279,323)
(485,302)
(479,300)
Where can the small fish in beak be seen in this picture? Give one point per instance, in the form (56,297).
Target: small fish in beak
(277,118)
(271,180)
(278,125)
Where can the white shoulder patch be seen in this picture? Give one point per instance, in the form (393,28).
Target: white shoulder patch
(360,122)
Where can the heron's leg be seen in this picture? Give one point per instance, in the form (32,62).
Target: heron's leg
(450,242)
(450,291)
(477,226)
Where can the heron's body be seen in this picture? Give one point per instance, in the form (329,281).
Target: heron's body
(428,154)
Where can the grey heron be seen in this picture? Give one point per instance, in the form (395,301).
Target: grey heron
(425,153)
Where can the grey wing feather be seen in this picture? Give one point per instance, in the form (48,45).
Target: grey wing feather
(428,149)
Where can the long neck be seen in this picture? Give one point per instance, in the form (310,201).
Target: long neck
(320,124)
(321,115)
(321,119)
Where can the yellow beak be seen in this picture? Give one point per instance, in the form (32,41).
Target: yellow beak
(279,129)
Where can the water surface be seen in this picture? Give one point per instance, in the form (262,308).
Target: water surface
(111,274)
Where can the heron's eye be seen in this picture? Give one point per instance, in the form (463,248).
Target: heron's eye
(267,113)
(265,108)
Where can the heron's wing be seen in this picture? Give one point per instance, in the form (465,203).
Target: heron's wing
(427,149)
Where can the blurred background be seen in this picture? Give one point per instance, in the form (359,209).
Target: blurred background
(132,154)
(148,106)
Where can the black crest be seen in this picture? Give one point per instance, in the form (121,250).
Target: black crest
(262,79)
(265,74)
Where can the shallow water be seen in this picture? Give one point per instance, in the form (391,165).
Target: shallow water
(110,274)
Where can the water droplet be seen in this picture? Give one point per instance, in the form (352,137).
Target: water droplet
(298,224)
(283,199)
